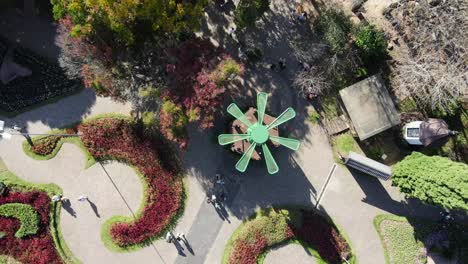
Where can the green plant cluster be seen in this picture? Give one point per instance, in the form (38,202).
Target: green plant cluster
(403,240)
(248,11)
(336,27)
(371,43)
(254,54)
(127,20)
(434,180)
(26,214)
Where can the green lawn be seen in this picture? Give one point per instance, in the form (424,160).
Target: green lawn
(402,238)
(343,144)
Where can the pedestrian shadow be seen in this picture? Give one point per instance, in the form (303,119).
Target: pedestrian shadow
(188,246)
(180,249)
(222,212)
(94,207)
(67,206)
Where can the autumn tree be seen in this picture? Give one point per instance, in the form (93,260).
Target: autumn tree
(124,19)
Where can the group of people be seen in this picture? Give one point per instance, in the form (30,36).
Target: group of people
(298,16)
(170,238)
(59,198)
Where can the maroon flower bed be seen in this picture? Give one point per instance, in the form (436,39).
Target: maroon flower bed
(306,226)
(38,248)
(323,236)
(110,138)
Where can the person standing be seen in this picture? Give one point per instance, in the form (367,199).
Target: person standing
(231,31)
(82,198)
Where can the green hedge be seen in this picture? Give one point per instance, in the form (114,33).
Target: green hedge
(433,179)
(26,214)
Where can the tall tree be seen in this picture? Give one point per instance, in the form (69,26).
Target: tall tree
(125,18)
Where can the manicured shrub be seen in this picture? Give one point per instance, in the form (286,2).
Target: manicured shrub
(33,248)
(172,122)
(115,139)
(248,11)
(335,26)
(371,43)
(435,180)
(45,145)
(27,216)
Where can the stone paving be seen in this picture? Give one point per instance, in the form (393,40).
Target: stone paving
(294,253)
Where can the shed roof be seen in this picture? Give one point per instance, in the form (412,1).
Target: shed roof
(370,107)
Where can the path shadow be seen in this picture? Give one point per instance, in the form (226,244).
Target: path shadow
(67,206)
(94,207)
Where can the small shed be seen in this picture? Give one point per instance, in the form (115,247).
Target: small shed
(370,107)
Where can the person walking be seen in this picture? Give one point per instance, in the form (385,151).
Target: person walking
(56,198)
(231,31)
(169,237)
(82,198)
(293,15)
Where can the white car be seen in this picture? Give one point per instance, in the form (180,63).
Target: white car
(411,133)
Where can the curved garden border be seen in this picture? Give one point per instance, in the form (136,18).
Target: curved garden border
(121,233)
(272,227)
(16,184)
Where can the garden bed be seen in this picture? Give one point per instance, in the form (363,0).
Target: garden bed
(405,239)
(272,227)
(114,137)
(29,223)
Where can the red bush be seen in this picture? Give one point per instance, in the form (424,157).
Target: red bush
(247,252)
(323,236)
(110,138)
(46,145)
(38,248)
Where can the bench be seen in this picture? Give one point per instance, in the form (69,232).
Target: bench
(368,166)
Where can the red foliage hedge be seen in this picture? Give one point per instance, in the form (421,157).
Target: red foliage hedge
(314,230)
(38,248)
(110,138)
(45,146)
(323,236)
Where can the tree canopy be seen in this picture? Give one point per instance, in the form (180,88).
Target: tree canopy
(124,18)
(433,179)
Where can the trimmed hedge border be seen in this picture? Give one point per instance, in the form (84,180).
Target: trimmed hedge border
(105,230)
(17,184)
(26,214)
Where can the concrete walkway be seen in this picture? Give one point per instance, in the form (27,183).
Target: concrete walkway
(291,253)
